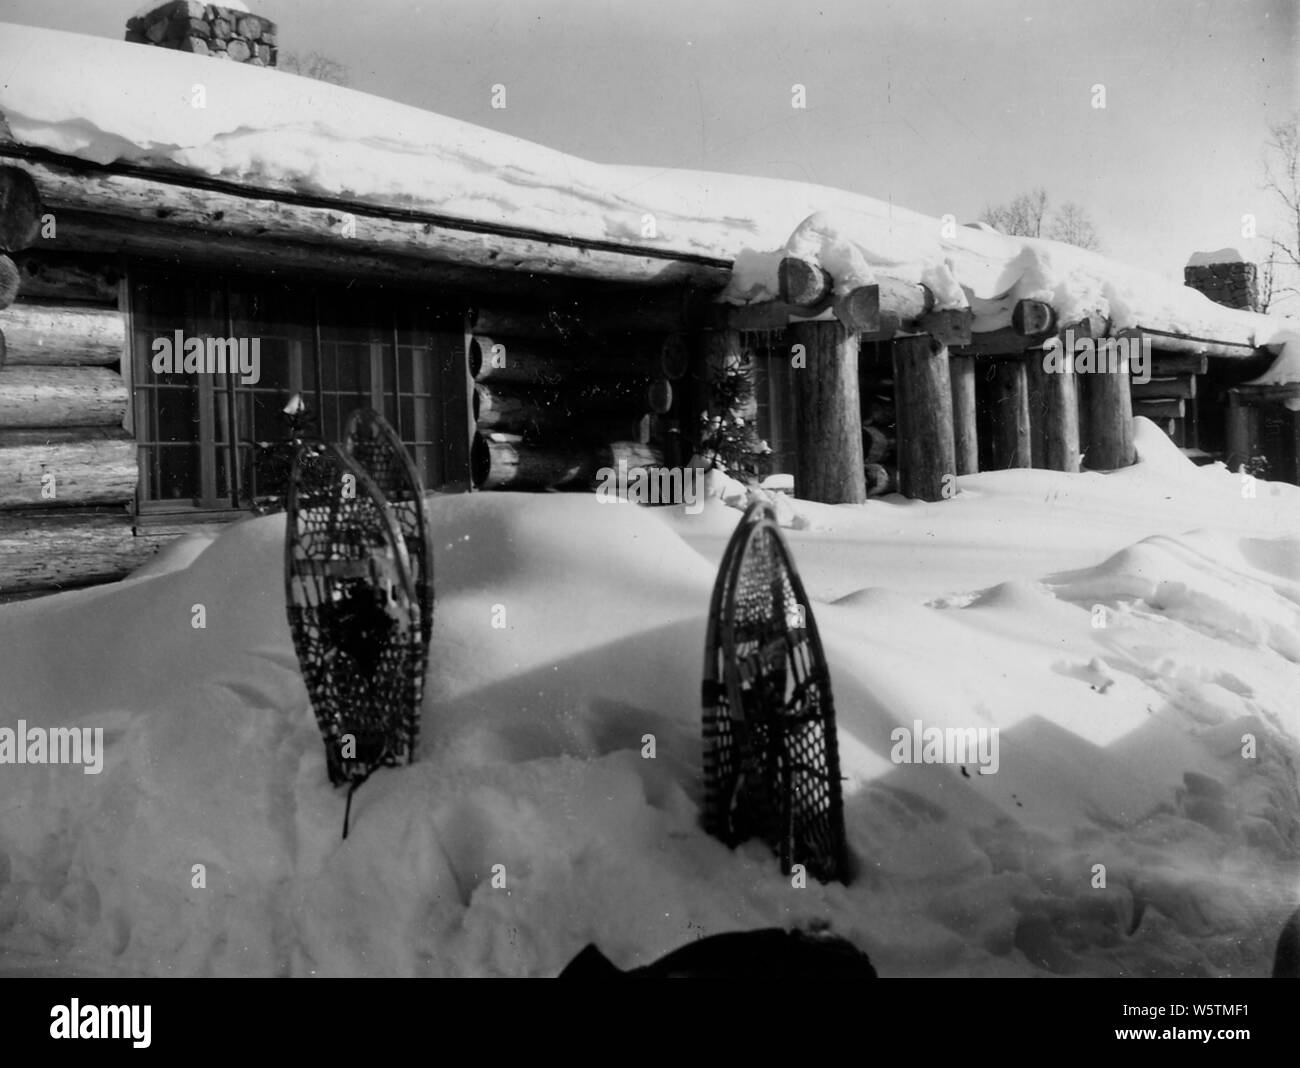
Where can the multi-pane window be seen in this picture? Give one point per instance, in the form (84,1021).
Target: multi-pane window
(339,348)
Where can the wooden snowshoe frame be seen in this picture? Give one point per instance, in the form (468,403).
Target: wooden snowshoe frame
(771,757)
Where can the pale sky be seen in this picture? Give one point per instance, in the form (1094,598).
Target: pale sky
(938,105)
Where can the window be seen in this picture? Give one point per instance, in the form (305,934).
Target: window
(341,348)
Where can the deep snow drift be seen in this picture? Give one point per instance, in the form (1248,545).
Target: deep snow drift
(1119,746)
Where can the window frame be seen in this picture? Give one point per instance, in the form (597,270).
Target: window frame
(434,334)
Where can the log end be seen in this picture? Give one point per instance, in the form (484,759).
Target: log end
(802,283)
(20,209)
(1031,318)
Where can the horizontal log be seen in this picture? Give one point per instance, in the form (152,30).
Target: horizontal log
(522,362)
(538,416)
(1167,365)
(1248,394)
(202,212)
(550,323)
(63,335)
(48,276)
(1165,388)
(869,309)
(1196,346)
(88,466)
(1002,342)
(61,397)
(1159,409)
(614,311)
(9,281)
(630,356)
(502,462)
(952,326)
(59,549)
(765,315)
(803,283)
(87,233)
(20,209)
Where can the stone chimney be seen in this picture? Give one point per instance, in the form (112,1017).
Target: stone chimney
(1225,276)
(207,30)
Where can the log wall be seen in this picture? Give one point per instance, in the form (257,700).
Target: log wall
(68,469)
(557,393)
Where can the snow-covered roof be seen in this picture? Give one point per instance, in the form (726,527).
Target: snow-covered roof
(271,129)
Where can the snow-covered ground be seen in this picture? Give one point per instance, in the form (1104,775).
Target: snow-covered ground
(1119,745)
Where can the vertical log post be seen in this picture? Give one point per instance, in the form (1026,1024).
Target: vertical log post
(961,369)
(1108,408)
(923,396)
(1037,396)
(1240,429)
(1060,405)
(1011,441)
(829,461)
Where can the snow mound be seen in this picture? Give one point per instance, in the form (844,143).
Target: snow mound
(1222,255)
(568,642)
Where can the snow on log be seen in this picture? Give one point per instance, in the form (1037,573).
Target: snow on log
(829,465)
(20,209)
(87,465)
(63,335)
(961,372)
(194,216)
(803,283)
(1162,341)
(61,397)
(67,548)
(923,396)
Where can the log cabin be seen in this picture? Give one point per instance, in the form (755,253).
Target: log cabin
(516,337)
